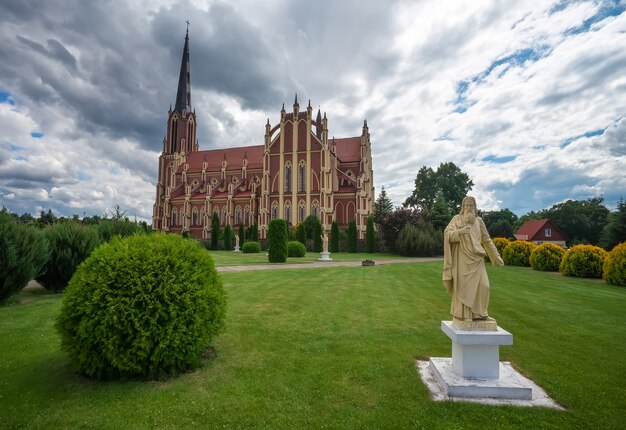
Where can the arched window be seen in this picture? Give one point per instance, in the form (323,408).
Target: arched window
(288,211)
(302,176)
(315,208)
(301,210)
(224,216)
(202,220)
(288,177)
(174,216)
(246,217)
(194,216)
(238,215)
(174,133)
(274,210)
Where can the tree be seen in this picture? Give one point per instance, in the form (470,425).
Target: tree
(317,238)
(352,237)
(228,237)
(499,223)
(383,207)
(215,232)
(277,241)
(615,230)
(242,235)
(46,218)
(448,179)
(369,235)
(334,237)
(396,221)
(441,214)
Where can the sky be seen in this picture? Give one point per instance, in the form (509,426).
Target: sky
(527,97)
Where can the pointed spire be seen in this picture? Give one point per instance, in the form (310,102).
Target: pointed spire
(309,103)
(319,116)
(296,101)
(183,96)
(268,121)
(364,123)
(282,110)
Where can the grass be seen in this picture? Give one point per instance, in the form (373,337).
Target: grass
(336,348)
(229,258)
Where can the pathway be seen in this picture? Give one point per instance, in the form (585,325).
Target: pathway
(316,264)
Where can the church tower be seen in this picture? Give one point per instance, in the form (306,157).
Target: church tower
(178,143)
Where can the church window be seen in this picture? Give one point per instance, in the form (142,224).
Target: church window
(194,216)
(274,213)
(301,211)
(174,216)
(315,210)
(302,177)
(224,216)
(202,216)
(247,215)
(288,177)
(288,211)
(238,216)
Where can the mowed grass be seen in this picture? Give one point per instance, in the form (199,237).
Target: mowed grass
(336,348)
(229,258)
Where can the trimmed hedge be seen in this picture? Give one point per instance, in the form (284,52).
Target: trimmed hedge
(142,306)
(251,247)
(23,253)
(421,240)
(70,244)
(583,261)
(517,253)
(546,257)
(615,266)
(296,249)
(277,238)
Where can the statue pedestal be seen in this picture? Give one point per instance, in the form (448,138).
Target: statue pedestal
(475,369)
(325,256)
(236,249)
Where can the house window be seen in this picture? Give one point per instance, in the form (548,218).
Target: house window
(302,177)
(548,232)
(288,177)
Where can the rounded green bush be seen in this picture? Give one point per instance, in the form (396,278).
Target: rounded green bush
(70,244)
(277,238)
(251,247)
(615,266)
(546,257)
(583,261)
(143,306)
(517,253)
(296,249)
(501,243)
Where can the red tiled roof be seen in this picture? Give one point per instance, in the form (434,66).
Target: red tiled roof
(531,228)
(234,157)
(348,148)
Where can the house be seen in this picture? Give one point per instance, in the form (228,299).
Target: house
(541,231)
(295,170)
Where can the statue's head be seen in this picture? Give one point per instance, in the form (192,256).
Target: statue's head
(468,209)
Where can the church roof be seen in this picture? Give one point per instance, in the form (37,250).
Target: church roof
(348,148)
(183,95)
(234,157)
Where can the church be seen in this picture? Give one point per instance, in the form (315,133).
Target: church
(297,171)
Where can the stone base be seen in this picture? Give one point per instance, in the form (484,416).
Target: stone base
(488,324)
(325,256)
(236,249)
(510,384)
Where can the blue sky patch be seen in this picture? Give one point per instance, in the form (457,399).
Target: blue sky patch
(592,133)
(15,148)
(36,135)
(499,160)
(6,98)
(444,136)
(82,176)
(606,10)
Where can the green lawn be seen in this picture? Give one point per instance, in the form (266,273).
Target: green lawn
(336,348)
(229,258)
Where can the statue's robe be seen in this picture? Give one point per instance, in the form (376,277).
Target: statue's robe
(464,273)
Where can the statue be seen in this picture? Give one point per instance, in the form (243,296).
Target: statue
(237,241)
(325,243)
(466,242)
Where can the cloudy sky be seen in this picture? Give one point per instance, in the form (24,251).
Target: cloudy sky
(527,97)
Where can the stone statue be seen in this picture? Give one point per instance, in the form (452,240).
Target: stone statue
(325,243)
(466,242)
(237,241)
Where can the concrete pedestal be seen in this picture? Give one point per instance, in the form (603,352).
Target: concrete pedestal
(475,368)
(325,256)
(236,249)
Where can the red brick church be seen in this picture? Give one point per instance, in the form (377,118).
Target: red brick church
(297,171)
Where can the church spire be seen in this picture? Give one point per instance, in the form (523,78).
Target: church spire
(183,96)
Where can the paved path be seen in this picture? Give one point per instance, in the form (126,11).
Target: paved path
(313,265)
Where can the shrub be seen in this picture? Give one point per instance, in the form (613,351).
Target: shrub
(501,243)
(334,237)
(583,261)
(517,253)
(251,248)
(300,233)
(70,244)
(369,235)
(420,240)
(107,229)
(215,232)
(142,306)
(242,235)
(228,238)
(253,233)
(277,241)
(23,253)
(296,249)
(546,257)
(318,242)
(352,237)
(615,266)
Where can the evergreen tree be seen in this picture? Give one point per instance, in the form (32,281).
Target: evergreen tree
(334,237)
(215,232)
(369,235)
(441,214)
(242,235)
(615,230)
(317,238)
(383,207)
(301,233)
(352,237)
(228,238)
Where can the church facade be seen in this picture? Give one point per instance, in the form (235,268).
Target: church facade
(296,172)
